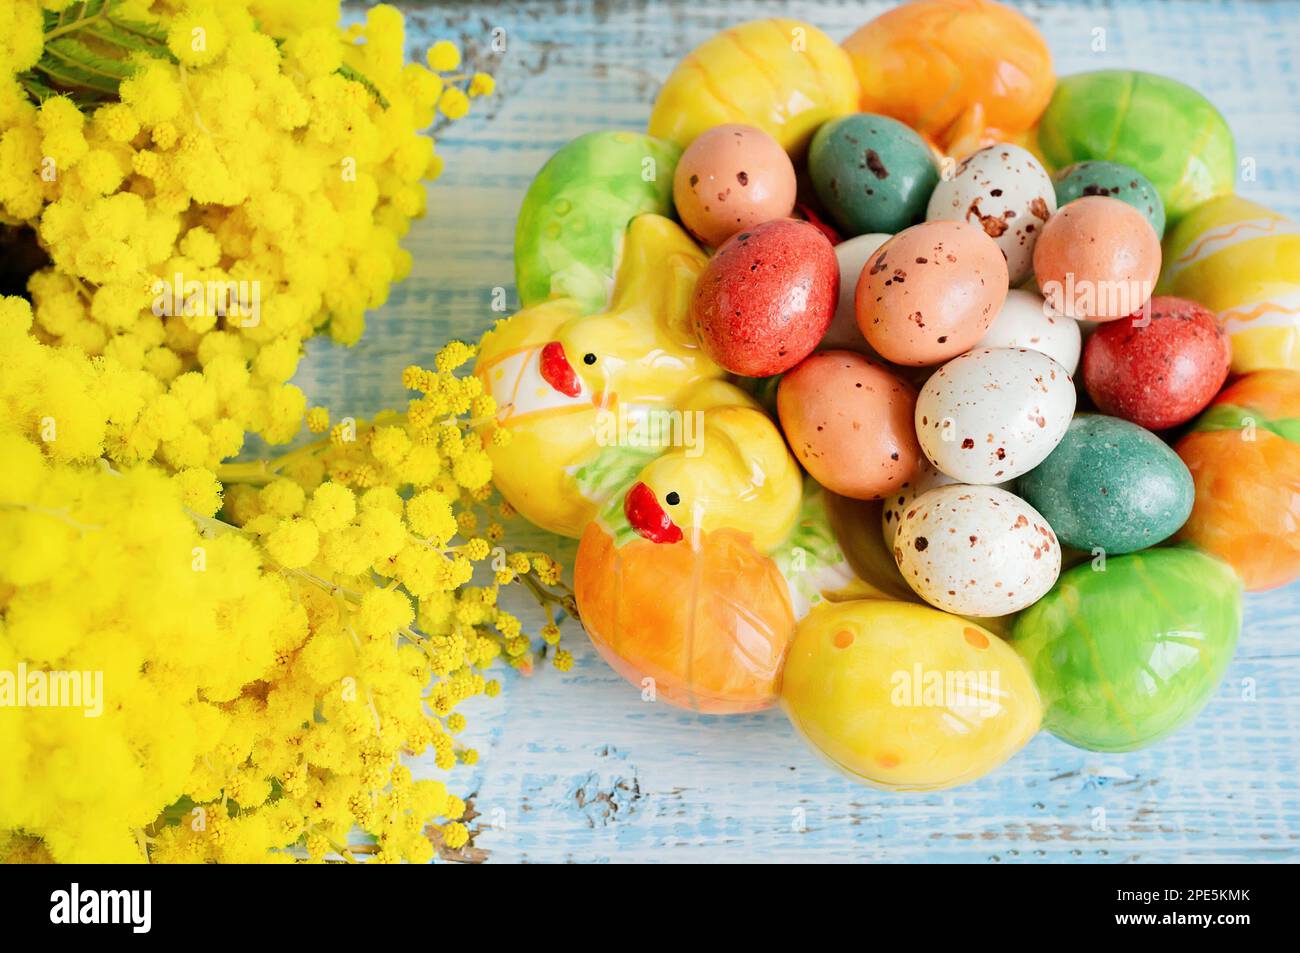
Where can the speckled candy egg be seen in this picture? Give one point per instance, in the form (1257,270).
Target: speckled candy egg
(1115,181)
(905,697)
(1005,191)
(993,414)
(872,173)
(731,178)
(1158,370)
(1027,321)
(1110,485)
(976,550)
(766,298)
(1097,260)
(1123,657)
(930,292)
(849,421)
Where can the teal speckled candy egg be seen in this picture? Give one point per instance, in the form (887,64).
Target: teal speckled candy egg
(1110,485)
(570,227)
(872,173)
(1127,653)
(1114,180)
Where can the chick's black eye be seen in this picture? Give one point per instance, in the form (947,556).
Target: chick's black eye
(589,358)
(672,498)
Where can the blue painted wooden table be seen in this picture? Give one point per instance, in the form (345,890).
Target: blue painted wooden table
(575,766)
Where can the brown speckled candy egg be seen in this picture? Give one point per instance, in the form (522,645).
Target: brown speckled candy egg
(931,292)
(765,299)
(976,550)
(1005,191)
(1097,260)
(850,423)
(731,178)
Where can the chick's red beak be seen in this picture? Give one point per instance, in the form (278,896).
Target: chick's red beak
(648,517)
(558,372)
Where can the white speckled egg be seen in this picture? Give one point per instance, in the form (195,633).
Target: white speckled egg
(992,414)
(852,255)
(1026,320)
(976,550)
(1006,191)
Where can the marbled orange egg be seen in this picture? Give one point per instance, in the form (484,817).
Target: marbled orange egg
(930,292)
(731,178)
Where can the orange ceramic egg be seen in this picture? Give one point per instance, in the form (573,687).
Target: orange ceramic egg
(930,292)
(731,178)
(1097,259)
(850,423)
(963,73)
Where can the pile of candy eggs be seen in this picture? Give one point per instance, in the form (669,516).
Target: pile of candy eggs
(932,407)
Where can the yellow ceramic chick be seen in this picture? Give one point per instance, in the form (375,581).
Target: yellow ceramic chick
(577,392)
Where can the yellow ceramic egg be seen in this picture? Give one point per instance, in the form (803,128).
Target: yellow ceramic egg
(783,76)
(906,697)
(1241,261)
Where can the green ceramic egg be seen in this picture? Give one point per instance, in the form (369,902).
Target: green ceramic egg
(570,227)
(1128,654)
(1110,484)
(872,173)
(1114,181)
(1167,131)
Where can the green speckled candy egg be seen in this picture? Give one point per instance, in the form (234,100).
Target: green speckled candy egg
(1124,656)
(571,225)
(1167,131)
(1112,485)
(872,173)
(1114,180)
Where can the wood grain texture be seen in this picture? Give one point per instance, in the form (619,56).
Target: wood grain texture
(575,767)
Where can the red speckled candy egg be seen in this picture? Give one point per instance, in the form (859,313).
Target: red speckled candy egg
(931,292)
(1158,374)
(850,423)
(766,298)
(731,178)
(1097,259)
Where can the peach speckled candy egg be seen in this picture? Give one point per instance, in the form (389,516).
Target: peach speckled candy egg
(1097,259)
(931,292)
(731,178)
(850,423)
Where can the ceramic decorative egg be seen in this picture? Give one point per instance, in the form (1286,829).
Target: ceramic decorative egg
(1115,181)
(849,422)
(992,414)
(896,504)
(905,697)
(1158,368)
(872,173)
(1167,131)
(731,178)
(1027,321)
(1125,656)
(1004,190)
(783,76)
(575,389)
(976,550)
(766,298)
(1110,485)
(570,229)
(1097,260)
(1244,456)
(963,73)
(931,292)
(1241,261)
(852,257)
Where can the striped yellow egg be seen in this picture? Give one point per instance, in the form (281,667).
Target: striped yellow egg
(1242,261)
(783,76)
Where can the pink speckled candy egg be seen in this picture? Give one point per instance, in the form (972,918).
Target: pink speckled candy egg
(850,423)
(1097,259)
(766,298)
(931,292)
(731,178)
